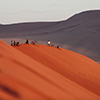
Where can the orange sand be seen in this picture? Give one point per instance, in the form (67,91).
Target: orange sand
(30,72)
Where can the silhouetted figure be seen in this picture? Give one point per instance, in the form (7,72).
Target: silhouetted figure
(27,41)
(11,42)
(49,43)
(35,42)
(58,46)
(17,43)
(14,43)
(32,42)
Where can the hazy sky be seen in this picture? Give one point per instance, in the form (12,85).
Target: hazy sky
(15,11)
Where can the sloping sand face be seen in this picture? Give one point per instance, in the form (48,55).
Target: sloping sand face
(30,72)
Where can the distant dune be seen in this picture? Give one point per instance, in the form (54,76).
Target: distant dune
(30,72)
(79,33)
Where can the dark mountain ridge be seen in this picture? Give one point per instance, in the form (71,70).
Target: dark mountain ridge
(23,27)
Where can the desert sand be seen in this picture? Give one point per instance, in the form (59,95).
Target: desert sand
(30,72)
(79,33)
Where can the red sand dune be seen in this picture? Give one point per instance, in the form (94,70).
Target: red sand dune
(79,33)
(30,72)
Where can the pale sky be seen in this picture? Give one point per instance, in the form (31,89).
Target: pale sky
(18,11)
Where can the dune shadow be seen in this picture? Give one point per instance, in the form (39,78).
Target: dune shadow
(10,91)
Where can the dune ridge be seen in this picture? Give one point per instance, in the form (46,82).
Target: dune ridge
(79,33)
(41,72)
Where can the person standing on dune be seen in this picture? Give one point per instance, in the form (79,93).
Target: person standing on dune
(27,41)
(49,42)
(14,42)
(11,42)
(58,46)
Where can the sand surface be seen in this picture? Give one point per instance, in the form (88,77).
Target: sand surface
(30,72)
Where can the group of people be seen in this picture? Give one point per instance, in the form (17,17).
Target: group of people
(49,43)
(32,42)
(14,43)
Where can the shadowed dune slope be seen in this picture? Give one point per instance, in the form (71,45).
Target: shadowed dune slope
(46,73)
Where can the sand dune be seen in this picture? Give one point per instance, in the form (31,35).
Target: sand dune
(80,33)
(41,72)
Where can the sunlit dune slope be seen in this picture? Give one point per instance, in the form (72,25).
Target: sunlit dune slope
(75,67)
(36,73)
